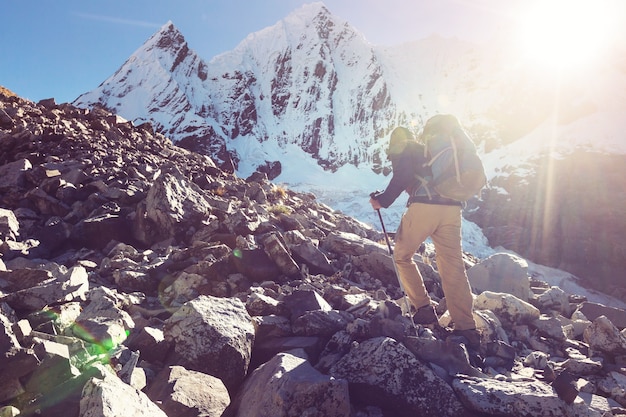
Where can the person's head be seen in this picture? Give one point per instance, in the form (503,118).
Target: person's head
(400,136)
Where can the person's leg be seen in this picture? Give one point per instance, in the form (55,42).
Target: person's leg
(413,230)
(448,250)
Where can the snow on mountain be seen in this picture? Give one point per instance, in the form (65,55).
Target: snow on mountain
(310,80)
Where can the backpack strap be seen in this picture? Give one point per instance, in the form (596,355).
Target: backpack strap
(434,158)
(457,167)
(423,183)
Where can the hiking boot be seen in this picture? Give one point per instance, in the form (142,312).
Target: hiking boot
(425,315)
(472,336)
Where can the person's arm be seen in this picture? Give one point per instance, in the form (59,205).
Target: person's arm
(403,177)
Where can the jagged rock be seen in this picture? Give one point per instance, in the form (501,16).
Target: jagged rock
(209,327)
(262,305)
(255,263)
(614,385)
(501,272)
(23,278)
(9,225)
(271,326)
(12,174)
(447,354)
(302,301)
(288,385)
(350,244)
(384,373)
(550,327)
(55,367)
(183,393)
(507,307)
(242,222)
(8,340)
(594,310)
(304,250)
(516,398)
(102,321)
(553,299)
(582,366)
(5,120)
(110,397)
(321,323)
(9,411)
(99,230)
(174,204)
(151,343)
(604,337)
(280,255)
(72,285)
(378,264)
(601,405)
(271,346)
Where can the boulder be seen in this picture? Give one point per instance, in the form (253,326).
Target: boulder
(384,373)
(501,272)
(183,393)
(288,385)
(208,327)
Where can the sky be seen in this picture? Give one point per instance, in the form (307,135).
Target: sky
(64,48)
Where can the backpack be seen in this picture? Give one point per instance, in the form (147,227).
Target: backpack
(456,169)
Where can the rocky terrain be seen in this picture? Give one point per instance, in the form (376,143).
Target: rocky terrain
(554,152)
(139,279)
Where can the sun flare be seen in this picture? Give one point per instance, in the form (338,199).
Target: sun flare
(564,35)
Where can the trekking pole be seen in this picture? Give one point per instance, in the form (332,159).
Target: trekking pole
(395,269)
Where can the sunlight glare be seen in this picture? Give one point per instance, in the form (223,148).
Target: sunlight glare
(559,34)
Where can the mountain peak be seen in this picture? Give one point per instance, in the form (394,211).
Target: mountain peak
(313,15)
(310,10)
(167,37)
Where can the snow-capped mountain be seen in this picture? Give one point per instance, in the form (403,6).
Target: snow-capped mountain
(310,80)
(312,96)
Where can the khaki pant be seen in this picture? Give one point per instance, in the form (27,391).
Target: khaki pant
(443,224)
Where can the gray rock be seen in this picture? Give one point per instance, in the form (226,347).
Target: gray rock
(110,397)
(603,336)
(501,272)
(594,310)
(183,393)
(66,287)
(507,307)
(288,385)
(302,301)
(384,373)
(174,204)
(516,398)
(9,225)
(209,327)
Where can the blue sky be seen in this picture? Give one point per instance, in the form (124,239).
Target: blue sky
(64,48)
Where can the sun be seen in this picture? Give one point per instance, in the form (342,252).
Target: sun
(566,35)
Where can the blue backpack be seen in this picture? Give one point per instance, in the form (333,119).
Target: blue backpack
(456,169)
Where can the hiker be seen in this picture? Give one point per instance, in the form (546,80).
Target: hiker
(427,214)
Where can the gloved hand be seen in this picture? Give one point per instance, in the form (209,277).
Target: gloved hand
(373,200)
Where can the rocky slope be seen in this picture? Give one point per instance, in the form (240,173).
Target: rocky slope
(138,279)
(313,83)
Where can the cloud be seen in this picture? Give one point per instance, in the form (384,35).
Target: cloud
(117,20)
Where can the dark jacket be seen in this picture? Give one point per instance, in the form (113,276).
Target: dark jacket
(407,167)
